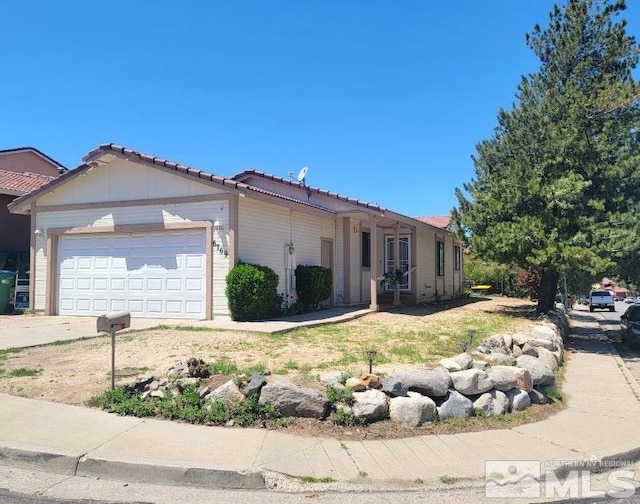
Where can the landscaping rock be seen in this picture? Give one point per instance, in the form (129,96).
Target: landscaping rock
(548,358)
(291,400)
(493,403)
(519,400)
(355,384)
(413,410)
(432,383)
(479,364)
(505,378)
(228,394)
(370,404)
(516,351)
(537,397)
(528,349)
(458,363)
(471,381)
(333,378)
(543,343)
(455,405)
(370,381)
(520,338)
(541,374)
(255,384)
(498,358)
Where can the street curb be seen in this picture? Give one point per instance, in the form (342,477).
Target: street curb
(160,474)
(40,461)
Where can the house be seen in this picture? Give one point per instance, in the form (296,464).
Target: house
(22,170)
(130,231)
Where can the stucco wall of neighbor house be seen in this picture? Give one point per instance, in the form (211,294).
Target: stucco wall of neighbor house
(14,234)
(123,180)
(131,215)
(27,161)
(264,230)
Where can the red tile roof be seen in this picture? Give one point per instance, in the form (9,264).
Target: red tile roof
(439,221)
(17,184)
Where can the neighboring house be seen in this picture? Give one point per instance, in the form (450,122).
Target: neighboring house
(129,231)
(22,170)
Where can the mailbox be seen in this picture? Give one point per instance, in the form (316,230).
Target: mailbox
(114,321)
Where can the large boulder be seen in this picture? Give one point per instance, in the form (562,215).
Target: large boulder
(370,404)
(519,400)
(255,385)
(548,357)
(541,374)
(542,343)
(471,381)
(492,403)
(455,405)
(291,400)
(413,410)
(433,383)
(508,377)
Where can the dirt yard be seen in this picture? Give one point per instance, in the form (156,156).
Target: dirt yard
(72,372)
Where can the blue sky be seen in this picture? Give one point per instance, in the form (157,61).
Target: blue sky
(382,100)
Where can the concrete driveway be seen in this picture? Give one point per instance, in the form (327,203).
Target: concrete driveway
(31,330)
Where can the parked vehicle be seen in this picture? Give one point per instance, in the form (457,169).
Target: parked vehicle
(630,300)
(630,324)
(601,299)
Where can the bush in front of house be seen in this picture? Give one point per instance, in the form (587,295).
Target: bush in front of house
(252,292)
(314,284)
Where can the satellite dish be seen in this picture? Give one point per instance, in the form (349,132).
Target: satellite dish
(302,174)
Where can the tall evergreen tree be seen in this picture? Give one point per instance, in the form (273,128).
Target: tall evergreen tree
(557,185)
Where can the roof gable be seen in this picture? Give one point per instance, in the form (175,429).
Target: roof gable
(11,152)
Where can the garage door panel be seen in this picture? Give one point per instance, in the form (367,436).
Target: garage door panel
(150,274)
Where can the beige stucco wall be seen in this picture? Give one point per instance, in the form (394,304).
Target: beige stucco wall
(27,161)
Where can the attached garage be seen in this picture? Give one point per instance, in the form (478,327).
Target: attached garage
(151,275)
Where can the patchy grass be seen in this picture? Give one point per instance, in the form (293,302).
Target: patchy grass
(24,372)
(313,479)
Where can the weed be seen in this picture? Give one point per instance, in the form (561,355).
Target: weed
(24,372)
(347,418)
(448,480)
(185,406)
(4,354)
(291,365)
(336,395)
(554,396)
(124,401)
(313,479)
(218,412)
(258,368)
(223,366)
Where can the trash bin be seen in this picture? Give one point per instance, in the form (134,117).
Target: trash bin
(7,282)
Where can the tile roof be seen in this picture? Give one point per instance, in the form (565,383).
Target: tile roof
(17,184)
(439,221)
(248,173)
(40,153)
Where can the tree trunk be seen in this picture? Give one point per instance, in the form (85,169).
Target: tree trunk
(547,290)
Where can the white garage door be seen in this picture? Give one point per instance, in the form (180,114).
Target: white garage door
(151,275)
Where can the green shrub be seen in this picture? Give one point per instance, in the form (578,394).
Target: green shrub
(125,401)
(314,284)
(339,395)
(347,418)
(252,292)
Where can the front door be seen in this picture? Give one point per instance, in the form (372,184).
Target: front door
(404,260)
(326,259)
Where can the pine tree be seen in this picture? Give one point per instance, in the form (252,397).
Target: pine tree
(557,186)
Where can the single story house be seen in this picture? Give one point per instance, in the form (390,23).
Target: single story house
(130,231)
(22,170)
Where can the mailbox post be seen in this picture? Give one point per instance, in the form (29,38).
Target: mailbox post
(111,323)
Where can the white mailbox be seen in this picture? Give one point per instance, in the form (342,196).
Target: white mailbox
(114,321)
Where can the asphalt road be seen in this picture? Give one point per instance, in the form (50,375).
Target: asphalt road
(610,324)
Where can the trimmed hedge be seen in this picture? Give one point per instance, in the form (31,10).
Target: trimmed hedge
(314,284)
(252,292)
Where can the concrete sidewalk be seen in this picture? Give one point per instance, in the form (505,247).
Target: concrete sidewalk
(599,423)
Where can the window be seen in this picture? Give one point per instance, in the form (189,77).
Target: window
(440,258)
(403,260)
(366,249)
(456,257)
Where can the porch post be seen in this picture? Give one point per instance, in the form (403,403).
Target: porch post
(373,254)
(396,261)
